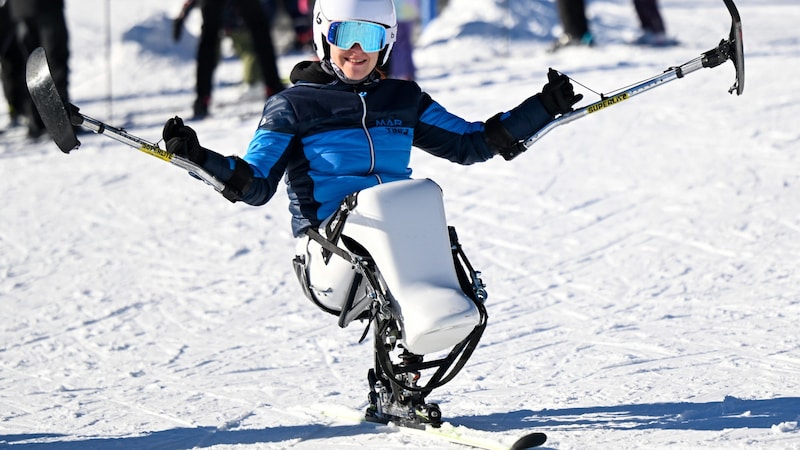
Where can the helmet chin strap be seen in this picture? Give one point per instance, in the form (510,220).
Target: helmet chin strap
(330,67)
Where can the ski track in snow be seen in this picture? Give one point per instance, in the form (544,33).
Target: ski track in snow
(641,263)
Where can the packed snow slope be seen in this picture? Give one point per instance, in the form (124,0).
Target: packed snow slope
(642,263)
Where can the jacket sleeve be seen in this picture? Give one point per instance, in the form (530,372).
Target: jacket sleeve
(255,178)
(506,131)
(449,136)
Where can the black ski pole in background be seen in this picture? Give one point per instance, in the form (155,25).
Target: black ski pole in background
(109,73)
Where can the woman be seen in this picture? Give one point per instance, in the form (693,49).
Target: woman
(343,129)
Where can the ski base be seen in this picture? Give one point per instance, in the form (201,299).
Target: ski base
(457,434)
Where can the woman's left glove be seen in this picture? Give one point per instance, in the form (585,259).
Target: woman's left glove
(505,131)
(182,140)
(558,95)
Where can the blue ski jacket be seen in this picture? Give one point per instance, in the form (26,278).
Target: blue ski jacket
(331,139)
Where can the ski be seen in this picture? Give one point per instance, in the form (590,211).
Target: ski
(456,434)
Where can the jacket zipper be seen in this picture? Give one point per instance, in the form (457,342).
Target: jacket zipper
(361,96)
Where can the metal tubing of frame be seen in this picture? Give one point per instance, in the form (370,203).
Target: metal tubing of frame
(670,75)
(153,150)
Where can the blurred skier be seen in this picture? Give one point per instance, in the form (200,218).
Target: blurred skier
(234,27)
(300,14)
(654,32)
(401,63)
(12,64)
(576,30)
(256,20)
(575,25)
(41,23)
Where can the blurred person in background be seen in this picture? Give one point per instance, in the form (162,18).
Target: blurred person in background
(574,24)
(41,23)
(401,63)
(259,25)
(576,30)
(12,65)
(654,33)
(233,26)
(299,12)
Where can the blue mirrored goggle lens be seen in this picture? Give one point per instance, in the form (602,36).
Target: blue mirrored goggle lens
(371,36)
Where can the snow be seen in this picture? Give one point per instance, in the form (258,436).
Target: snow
(642,263)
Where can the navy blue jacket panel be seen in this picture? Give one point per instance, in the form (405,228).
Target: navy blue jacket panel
(331,139)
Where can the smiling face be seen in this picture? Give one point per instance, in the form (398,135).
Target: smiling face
(354,62)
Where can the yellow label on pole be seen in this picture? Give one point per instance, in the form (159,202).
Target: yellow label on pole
(157,152)
(607,102)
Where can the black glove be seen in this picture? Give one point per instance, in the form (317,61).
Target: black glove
(558,95)
(177,28)
(182,141)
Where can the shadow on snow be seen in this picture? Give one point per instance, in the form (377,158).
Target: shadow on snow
(185,438)
(730,413)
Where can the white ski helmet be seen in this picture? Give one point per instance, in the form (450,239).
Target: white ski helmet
(379,12)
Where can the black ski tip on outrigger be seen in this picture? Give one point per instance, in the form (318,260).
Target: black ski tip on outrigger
(49,103)
(730,49)
(736,47)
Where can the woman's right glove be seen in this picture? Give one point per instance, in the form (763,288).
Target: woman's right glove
(182,140)
(234,172)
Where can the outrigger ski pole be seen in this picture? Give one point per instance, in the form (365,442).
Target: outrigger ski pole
(60,118)
(728,49)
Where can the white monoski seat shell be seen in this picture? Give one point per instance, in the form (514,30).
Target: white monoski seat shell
(402,224)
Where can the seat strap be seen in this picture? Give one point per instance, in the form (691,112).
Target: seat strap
(329,246)
(335,226)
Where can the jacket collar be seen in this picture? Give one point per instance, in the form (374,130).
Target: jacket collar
(315,72)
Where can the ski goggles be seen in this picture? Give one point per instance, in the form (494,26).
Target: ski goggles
(346,34)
